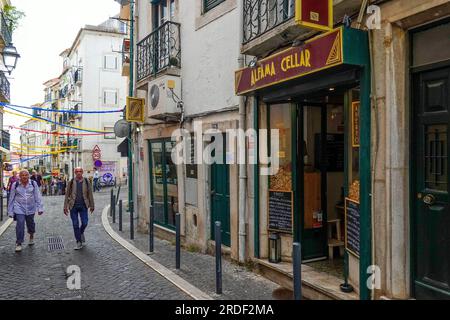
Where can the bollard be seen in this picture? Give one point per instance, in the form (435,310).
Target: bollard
(218,237)
(112,203)
(114,209)
(150,230)
(118,194)
(120,215)
(131,221)
(177,241)
(297,264)
(346,287)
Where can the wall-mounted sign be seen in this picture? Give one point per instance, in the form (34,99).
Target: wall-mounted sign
(280,211)
(315,14)
(96,153)
(135,110)
(355,124)
(352,227)
(319,53)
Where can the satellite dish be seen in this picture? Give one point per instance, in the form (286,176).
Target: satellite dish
(154,96)
(121,128)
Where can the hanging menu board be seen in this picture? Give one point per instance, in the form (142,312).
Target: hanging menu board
(280,211)
(352,228)
(334,158)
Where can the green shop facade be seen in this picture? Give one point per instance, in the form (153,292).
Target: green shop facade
(317,96)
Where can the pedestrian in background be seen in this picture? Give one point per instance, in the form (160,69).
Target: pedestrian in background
(25,201)
(37,178)
(96,177)
(79,198)
(13,179)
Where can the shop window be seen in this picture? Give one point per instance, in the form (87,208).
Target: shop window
(164,182)
(280,119)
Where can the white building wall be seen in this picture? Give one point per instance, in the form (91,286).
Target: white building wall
(209,55)
(92,48)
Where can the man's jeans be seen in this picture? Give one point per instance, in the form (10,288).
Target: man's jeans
(20,226)
(96,188)
(82,212)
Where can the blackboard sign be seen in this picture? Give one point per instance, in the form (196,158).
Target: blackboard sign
(280,211)
(352,229)
(334,158)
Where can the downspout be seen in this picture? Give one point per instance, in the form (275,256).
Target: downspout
(243,151)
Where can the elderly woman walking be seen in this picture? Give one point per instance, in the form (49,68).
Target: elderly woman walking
(25,200)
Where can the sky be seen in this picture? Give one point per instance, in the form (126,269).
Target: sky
(49,27)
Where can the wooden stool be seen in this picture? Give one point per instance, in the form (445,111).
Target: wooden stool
(335,242)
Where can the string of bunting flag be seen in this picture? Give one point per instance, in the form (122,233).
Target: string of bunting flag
(3,104)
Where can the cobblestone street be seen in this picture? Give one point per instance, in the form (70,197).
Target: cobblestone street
(108,271)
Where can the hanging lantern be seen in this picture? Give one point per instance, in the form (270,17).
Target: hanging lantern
(274,248)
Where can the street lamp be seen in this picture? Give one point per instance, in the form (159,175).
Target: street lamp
(10,57)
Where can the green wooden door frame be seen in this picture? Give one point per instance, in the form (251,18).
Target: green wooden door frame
(163,142)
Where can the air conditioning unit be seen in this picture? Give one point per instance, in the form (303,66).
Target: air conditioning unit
(164,94)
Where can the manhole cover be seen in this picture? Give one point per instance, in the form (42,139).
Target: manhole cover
(55,244)
(283,294)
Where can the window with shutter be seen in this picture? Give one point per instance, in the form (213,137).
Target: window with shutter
(110,62)
(110,97)
(209,4)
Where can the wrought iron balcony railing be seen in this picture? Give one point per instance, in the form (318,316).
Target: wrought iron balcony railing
(78,76)
(4,87)
(261,16)
(5,30)
(159,50)
(6,140)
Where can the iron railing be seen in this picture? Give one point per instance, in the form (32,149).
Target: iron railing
(4,86)
(6,140)
(159,50)
(5,30)
(261,16)
(78,76)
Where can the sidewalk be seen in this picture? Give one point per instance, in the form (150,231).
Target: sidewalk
(199,269)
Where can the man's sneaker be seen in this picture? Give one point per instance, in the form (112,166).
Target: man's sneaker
(31,242)
(79,246)
(83,239)
(18,248)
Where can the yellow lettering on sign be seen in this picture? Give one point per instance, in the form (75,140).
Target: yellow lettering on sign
(297,60)
(261,72)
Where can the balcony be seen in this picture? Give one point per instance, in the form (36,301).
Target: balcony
(159,51)
(78,76)
(63,92)
(4,88)
(5,32)
(6,140)
(126,58)
(269,24)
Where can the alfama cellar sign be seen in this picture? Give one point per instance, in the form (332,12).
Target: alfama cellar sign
(319,53)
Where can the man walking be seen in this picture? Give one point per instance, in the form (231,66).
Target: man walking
(96,177)
(77,201)
(25,200)
(37,178)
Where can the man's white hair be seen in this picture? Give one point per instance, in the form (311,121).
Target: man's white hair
(23,170)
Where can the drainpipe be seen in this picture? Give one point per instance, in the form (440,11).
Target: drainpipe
(242,166)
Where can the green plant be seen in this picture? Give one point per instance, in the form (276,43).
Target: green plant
(12,16)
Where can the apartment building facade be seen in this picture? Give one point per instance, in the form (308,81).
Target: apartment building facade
(361,108)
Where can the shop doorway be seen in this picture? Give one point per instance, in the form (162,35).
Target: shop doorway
(220,195)
(431,204)
(320,164)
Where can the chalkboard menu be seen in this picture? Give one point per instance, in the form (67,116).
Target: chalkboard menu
(334,158)
(352,229)
(280,211)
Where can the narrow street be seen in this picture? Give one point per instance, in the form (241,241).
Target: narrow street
(108,271)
